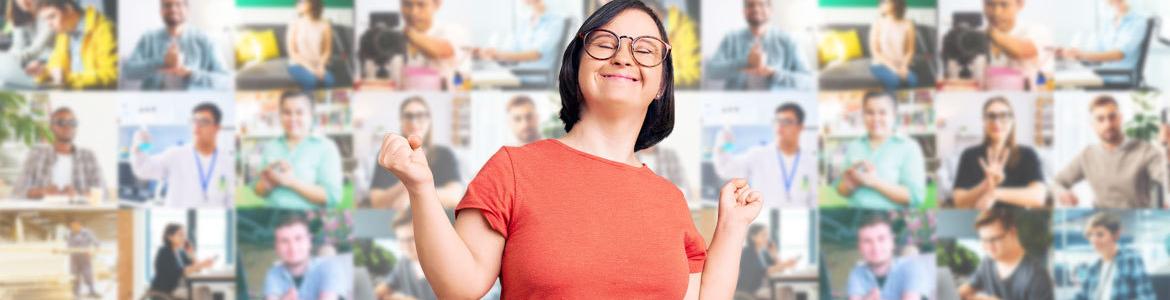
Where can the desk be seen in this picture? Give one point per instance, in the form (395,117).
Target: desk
(494,78)
(29,204)
(210,277)
(1078,78)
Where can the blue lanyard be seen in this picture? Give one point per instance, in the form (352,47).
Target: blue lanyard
(205,178)
(789,177)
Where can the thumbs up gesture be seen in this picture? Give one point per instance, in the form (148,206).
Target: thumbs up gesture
(404,157)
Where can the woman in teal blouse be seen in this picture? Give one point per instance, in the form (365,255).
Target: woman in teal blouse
(301,171)
(884,170)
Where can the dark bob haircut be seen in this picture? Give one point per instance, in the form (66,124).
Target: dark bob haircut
(659,121)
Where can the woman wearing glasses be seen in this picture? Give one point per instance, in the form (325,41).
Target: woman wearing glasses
(999,170)
(386,191)
(580,216)
(883,170)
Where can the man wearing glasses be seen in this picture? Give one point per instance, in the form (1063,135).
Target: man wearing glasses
(782,171)
(1121,171)
(196,175)
(1008,271)
(759,57)
(62,169)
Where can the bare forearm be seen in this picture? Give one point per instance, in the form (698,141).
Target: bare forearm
(1106,56)
(968,198)
(314,193)
(1015,47)
(1029,197)
(721,270)
(518,56)
(898,194)
(447,261)
(434,48)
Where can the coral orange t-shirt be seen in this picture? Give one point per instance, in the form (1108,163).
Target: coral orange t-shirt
(579,226)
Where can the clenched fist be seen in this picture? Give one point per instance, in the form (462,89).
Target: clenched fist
(404,157)
(738,202)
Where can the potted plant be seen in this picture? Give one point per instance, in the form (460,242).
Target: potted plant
(20,127)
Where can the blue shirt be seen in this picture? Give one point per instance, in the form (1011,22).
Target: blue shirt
(1130,280)
(315,160)
(75,40)
(544,37)
(1125,36)
(199,55)
(783,57)
(898,159)
(904,277)
(319,277)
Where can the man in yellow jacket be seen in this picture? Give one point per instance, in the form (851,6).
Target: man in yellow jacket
(84,54)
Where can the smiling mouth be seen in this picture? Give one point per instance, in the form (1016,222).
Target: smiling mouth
(618,76)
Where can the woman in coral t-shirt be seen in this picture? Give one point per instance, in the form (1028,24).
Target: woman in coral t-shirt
(581,217)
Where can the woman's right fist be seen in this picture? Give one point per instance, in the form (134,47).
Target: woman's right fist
(405,159)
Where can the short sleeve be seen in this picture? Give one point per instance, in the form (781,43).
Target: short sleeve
(696,249)
(492,191)
(858,283)
(274,285)
(444,165)
(969,173)
(1029,166)
(329,173)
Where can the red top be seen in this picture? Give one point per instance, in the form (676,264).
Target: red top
(578,226)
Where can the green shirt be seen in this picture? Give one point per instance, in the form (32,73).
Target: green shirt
(315,160)
(898,159)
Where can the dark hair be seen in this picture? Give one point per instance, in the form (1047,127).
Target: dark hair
(871,95)
(874,219)
(519,100)
(1003,215)
(1103,100)
(1110,221)
(753,230)
(292,220)
(60,110)
(418,99)
(168,231)
(18,17)
(659,121)
(59,4)
(210,108)
(316,8)
(1012,147)
(899,8)
(294,94)
(794,108)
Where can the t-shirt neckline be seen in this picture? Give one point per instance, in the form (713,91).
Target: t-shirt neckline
(621,165)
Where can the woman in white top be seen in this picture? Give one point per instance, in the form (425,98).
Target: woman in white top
(309,43)
(891,44)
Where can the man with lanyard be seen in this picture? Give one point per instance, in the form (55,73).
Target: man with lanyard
(178,164)
(792,185)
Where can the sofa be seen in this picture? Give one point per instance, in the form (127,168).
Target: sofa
(272,73)
(854,73)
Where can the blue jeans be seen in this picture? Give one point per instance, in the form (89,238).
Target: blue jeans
(307,80)
(890,80)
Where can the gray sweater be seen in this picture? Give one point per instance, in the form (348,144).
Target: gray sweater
(1121,178)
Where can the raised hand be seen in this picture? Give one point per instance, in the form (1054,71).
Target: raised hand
(404,157)
(993,166)
(739,203)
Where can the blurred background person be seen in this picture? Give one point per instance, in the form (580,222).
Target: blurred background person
(1118,43)
(30,37)
(536,43)
(881,275)
(1119,273)
(431,44)
(891,44)
(883,170)
(999,170)
(178,56)
(309,42)
(61,168)
(297,275)
(406,280)
(175,260)
(523,120)
(761,56)
(214,165)
(783,171)
(84,54)
(1008,271)
(300,170)
(1015,44)
(386,191)
(81,244)
(759,261)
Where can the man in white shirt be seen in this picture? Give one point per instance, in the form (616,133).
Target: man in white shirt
(1014,44)
(196,175)
(782,171)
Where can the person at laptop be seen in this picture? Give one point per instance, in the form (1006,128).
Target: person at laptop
(1118,43)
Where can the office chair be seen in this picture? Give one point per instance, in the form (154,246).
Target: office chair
(1136,78)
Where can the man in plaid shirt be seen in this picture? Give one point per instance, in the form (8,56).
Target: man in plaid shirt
(60,168)
(1120,273)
